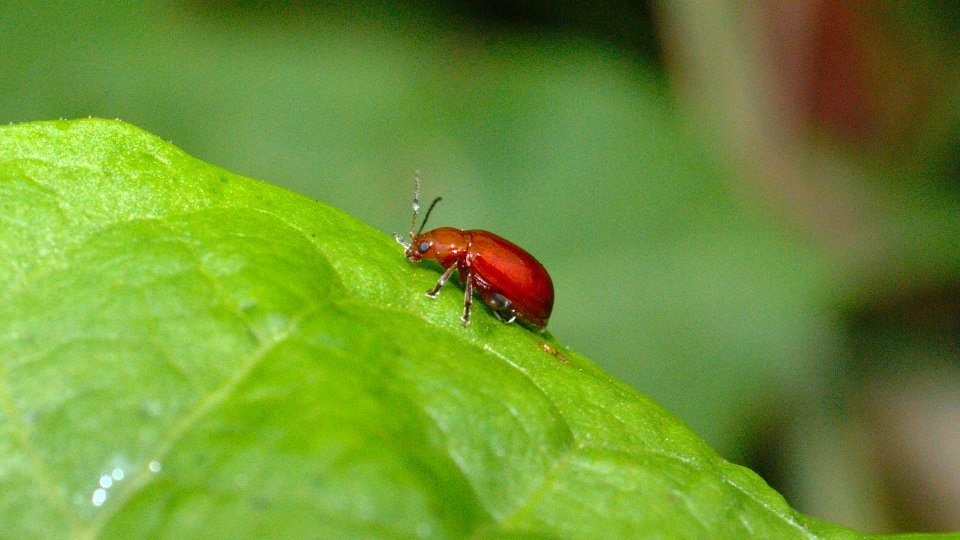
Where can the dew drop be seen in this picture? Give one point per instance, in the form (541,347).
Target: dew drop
(423,530)
(106,481)
(99,497)
(152,408)
(154,466)
(118,474)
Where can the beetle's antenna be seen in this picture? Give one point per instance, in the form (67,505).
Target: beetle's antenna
(416,214)
(416,205)
(426,217)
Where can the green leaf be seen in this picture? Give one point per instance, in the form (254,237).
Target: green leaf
(185,352)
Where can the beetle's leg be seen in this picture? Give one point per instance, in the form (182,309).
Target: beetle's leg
(467,297)
(432,293)
(501,307)
(401,241)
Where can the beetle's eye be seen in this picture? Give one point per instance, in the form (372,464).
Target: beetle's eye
(423,247)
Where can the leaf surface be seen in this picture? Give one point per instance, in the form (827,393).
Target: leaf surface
(185,352)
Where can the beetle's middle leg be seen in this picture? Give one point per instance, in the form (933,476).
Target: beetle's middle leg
(467,297)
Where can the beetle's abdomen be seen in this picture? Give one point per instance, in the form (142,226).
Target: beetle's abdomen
(501,267)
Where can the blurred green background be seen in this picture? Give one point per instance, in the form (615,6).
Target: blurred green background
(750,211)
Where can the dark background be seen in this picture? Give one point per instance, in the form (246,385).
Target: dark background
(750,210)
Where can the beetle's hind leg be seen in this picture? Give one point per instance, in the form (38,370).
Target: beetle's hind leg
(432,293)
(501,307)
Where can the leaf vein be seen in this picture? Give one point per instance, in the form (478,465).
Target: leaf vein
(53,490)
(144,476)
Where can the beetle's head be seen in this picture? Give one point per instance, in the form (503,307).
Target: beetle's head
(417,240)
(440,244)
(422,247)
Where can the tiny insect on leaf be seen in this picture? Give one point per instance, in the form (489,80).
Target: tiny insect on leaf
(512,283)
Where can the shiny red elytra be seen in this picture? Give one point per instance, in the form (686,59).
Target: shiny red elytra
(511,282)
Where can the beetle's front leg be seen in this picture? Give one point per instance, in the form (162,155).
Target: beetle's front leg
(432,293)
(467,297)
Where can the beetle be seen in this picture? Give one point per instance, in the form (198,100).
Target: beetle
(511,281)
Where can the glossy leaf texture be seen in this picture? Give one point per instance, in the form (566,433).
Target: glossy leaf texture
(188,353)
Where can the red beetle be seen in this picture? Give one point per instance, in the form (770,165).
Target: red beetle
(510,280)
